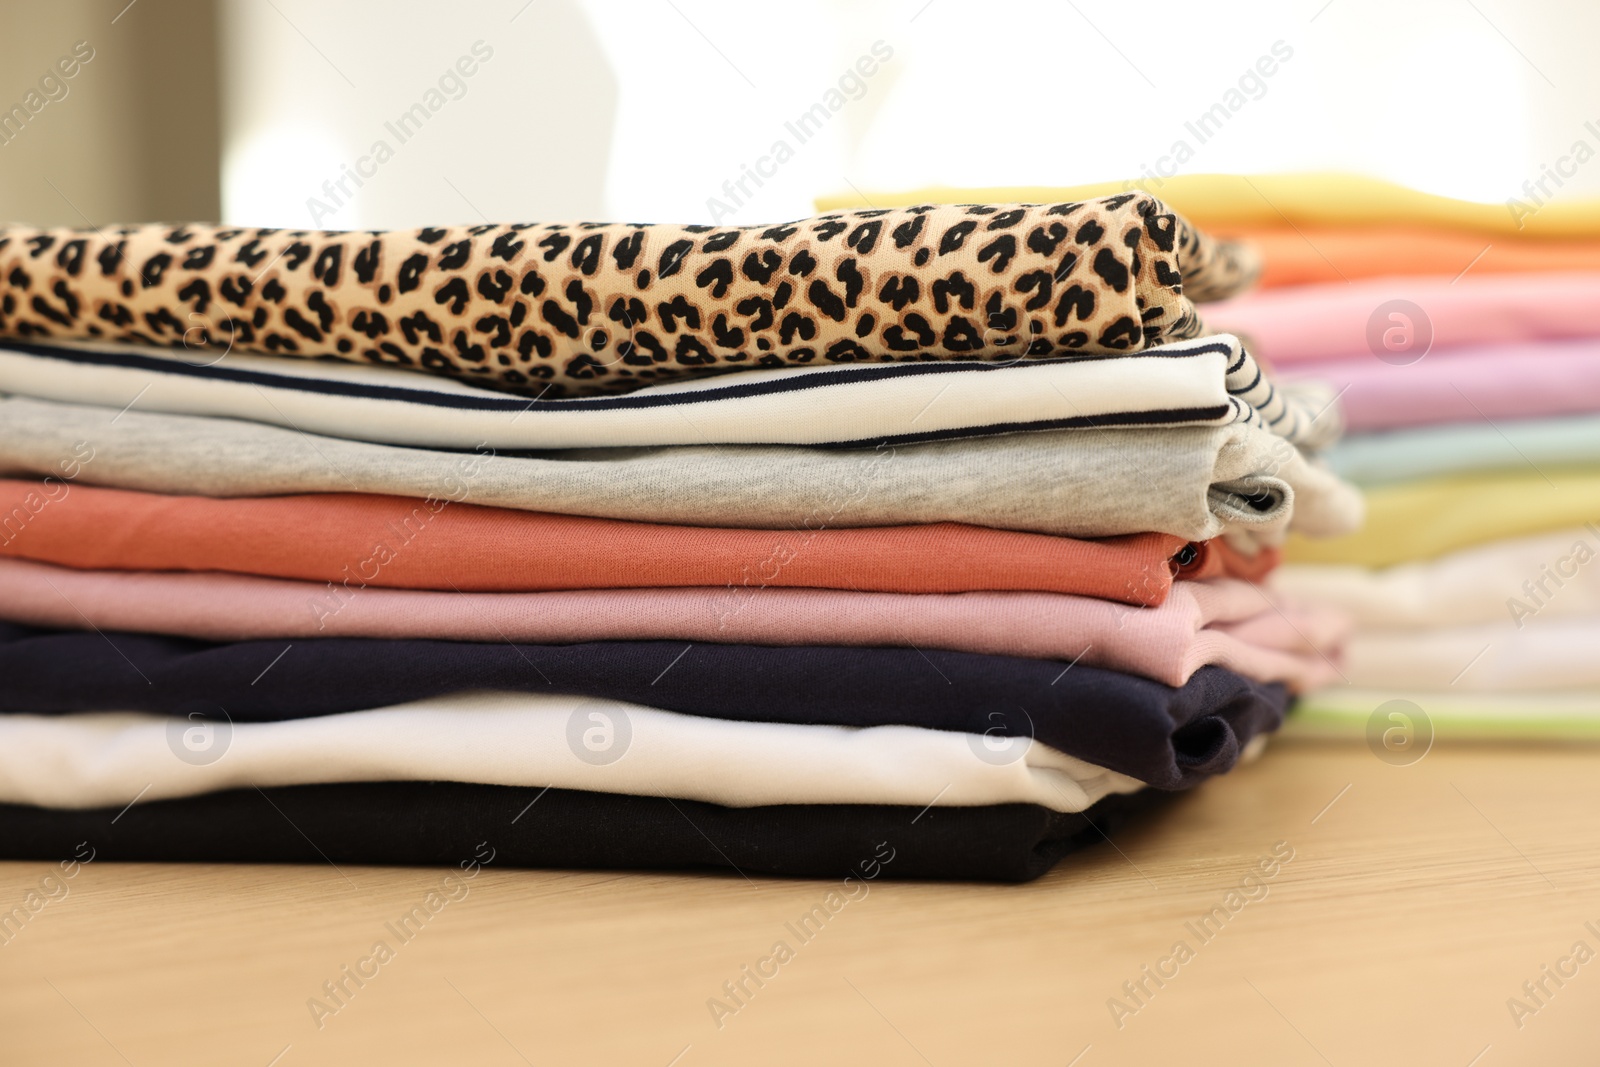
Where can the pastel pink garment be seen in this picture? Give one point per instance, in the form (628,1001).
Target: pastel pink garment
(1331,321)
(1218,621)
(1524,380)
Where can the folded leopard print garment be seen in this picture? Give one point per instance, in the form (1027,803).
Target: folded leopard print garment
(583,308)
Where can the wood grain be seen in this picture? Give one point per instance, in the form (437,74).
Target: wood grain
(1418,900)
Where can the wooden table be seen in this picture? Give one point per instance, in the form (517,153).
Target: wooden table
(1417,902)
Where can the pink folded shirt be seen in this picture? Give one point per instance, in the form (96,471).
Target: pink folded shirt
(1332,321)
(1225,622)
(1519,380)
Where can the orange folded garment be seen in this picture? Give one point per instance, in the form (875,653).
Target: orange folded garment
(1312,254)
(359,540)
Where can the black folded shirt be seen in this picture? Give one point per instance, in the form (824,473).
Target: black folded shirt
(1169,738)
(449,823)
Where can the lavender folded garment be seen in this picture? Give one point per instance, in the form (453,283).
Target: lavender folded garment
(1347,320)
(1224,622)
(1522,380)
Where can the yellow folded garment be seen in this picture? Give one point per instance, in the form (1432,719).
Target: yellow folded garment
(1422,519)
(1217,202)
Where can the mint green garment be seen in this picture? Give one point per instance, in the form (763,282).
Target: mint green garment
(1425,718)
(1457,448)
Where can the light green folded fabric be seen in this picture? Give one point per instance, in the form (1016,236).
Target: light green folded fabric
(1431,451)
(1426,718)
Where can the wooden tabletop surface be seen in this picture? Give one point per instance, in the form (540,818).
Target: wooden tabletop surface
(1407,907)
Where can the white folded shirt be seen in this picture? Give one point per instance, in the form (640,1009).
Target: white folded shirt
(110,759)
(1209,381)
(1546,654)
(1547,575)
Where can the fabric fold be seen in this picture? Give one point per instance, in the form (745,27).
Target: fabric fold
(1469,385)
(98,759)
(1543,654)
(1228,203)
(1350,320)
(1295,644)
(398,542)
(446,824)
(1314,255)
(1444,715)
(1471,448)
(569,309)
(1209,381)
(1548,575)
(1425,519)
(1190,483)
(1165,737)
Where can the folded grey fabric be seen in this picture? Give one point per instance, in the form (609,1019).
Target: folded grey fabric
(1212,381)
(1195,483)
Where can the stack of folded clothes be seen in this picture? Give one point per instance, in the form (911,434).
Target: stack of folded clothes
(927,539)
(1461,341)
(1471,584)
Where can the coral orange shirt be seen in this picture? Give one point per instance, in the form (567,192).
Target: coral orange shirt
(1316,254)
(401,542)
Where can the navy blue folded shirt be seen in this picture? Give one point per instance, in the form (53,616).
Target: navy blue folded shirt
(1169,738)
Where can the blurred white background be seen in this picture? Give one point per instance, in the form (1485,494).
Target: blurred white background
(643,109)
